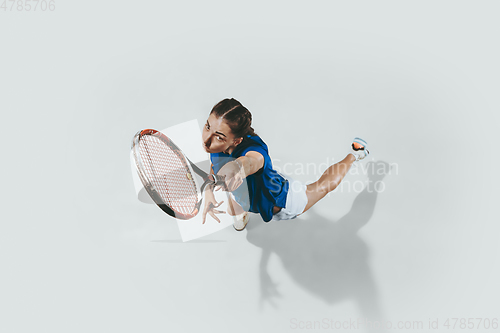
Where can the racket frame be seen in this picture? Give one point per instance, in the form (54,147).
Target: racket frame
(208,179)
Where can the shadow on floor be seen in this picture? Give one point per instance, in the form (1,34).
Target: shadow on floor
(325,257)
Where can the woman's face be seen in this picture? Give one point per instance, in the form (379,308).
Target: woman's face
(217,136)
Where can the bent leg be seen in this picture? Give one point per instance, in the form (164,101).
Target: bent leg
(233,208)
(329,181)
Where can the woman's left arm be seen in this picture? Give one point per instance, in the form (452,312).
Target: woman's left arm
(251,162)
(236,171)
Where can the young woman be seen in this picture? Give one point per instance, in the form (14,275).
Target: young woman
(240,155)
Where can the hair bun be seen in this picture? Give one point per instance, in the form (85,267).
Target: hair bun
(238,117)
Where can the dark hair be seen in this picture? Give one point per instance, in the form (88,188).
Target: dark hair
(238,118)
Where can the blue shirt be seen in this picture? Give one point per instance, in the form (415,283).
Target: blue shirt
(266,188)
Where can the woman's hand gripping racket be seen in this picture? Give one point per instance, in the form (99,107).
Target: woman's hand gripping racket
(167,174)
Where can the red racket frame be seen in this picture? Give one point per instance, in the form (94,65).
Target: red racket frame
(148,185)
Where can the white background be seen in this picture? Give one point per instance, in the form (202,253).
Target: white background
(417,79)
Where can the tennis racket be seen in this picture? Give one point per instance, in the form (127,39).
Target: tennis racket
(168,175)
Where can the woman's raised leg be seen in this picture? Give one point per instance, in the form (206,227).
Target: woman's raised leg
(329,181)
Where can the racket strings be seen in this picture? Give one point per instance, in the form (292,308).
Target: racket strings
(168,174)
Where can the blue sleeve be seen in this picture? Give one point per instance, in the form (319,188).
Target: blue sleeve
(258,149)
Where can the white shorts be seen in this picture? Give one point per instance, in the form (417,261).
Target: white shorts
(296,200)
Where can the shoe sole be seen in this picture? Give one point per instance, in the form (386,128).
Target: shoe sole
(360,141)
(360,144)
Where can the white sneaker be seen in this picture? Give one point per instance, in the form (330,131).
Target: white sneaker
(359,148)
(241,221)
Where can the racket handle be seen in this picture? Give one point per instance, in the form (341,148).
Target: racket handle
(219,181)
